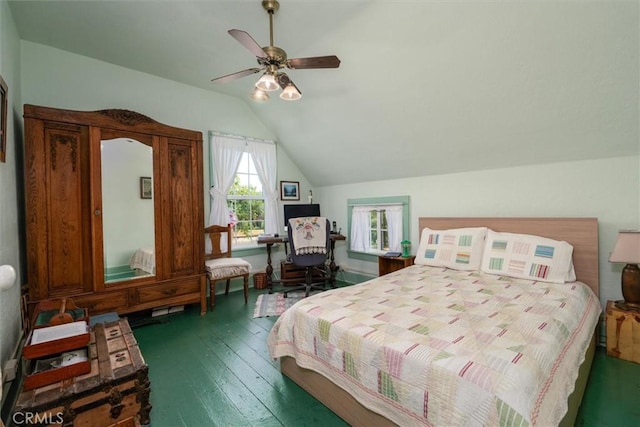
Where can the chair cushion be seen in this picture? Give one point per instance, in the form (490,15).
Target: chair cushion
(221,268)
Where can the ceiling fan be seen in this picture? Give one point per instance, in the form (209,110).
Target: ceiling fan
(272,59)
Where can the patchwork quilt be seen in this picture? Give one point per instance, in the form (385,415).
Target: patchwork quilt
(439,347)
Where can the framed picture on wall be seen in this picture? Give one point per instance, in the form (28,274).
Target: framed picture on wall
(289,190)
(146,189)
(4,105)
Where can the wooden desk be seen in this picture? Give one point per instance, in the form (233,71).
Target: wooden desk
(270,241)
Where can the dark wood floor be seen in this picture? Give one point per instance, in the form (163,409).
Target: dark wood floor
(215,370)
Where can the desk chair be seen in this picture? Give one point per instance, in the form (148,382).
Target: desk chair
(220,265)
(315,276)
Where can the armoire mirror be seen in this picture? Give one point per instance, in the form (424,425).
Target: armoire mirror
(127,209)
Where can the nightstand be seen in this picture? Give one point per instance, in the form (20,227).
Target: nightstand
(623,333)
(388,264)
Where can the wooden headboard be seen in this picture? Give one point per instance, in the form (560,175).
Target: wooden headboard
(581,233)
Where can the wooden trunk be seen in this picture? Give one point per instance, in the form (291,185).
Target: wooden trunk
(116,389)
(623,333)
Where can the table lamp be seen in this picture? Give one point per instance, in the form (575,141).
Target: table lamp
(627,250)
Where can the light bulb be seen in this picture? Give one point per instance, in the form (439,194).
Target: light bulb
(267,83)
(290,93)
(259,95)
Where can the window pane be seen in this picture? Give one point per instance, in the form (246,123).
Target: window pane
(374,239)
(385,241)
(246,183)
(254,184)
(251,168)
(243,167)
(374,219)
(257,209)
(383,220)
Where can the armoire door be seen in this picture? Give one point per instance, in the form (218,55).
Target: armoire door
(58,210)
(184,240)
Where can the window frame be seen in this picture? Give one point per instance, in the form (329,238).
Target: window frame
(253,248)
(404,201)
(379,229)
(254,243)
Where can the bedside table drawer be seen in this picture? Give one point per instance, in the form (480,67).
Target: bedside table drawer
(623,333)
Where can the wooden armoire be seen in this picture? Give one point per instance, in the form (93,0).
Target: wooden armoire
(66,238)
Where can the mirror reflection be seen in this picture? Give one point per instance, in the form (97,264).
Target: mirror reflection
(127,210)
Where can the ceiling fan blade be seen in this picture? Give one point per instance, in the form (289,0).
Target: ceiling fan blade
(233,76)
(331,61)
(247,41)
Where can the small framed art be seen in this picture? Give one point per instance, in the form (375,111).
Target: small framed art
(289,190)
(3,119)
(146,189)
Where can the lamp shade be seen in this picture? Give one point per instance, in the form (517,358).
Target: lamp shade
(7,277)
(267,83)
(627,247)
(290,93)
(259,95)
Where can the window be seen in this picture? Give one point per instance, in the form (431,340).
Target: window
(242,173)
(378,232)
(377,225)
(246,203)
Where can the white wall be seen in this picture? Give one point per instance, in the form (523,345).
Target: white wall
(9,198)
(608,189)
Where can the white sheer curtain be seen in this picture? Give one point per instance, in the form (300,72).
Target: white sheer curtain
(265,161)
(360,228)
(394,227)
(225,158)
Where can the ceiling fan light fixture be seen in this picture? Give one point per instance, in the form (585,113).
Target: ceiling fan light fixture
(259,95)
(290,93)
(272,59)
(267,83)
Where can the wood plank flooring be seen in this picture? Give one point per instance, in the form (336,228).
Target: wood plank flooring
(215,370)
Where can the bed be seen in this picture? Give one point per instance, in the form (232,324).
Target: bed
(399,386)
(144,260)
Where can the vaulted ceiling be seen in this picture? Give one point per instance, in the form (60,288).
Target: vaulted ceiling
(424,87)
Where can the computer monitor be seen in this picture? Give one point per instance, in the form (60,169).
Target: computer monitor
(297,211)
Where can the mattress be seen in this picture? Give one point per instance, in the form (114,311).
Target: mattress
(434,346)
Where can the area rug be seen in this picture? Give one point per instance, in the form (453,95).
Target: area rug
(275,304)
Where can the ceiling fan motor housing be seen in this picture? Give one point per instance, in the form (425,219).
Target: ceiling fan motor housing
(275,56)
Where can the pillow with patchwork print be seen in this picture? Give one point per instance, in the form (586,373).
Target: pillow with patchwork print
(456,248)
(528,257)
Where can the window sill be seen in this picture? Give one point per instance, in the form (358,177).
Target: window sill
(363,256)
(252,250)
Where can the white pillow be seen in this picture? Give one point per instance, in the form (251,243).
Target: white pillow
(457,248)
(528,257)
